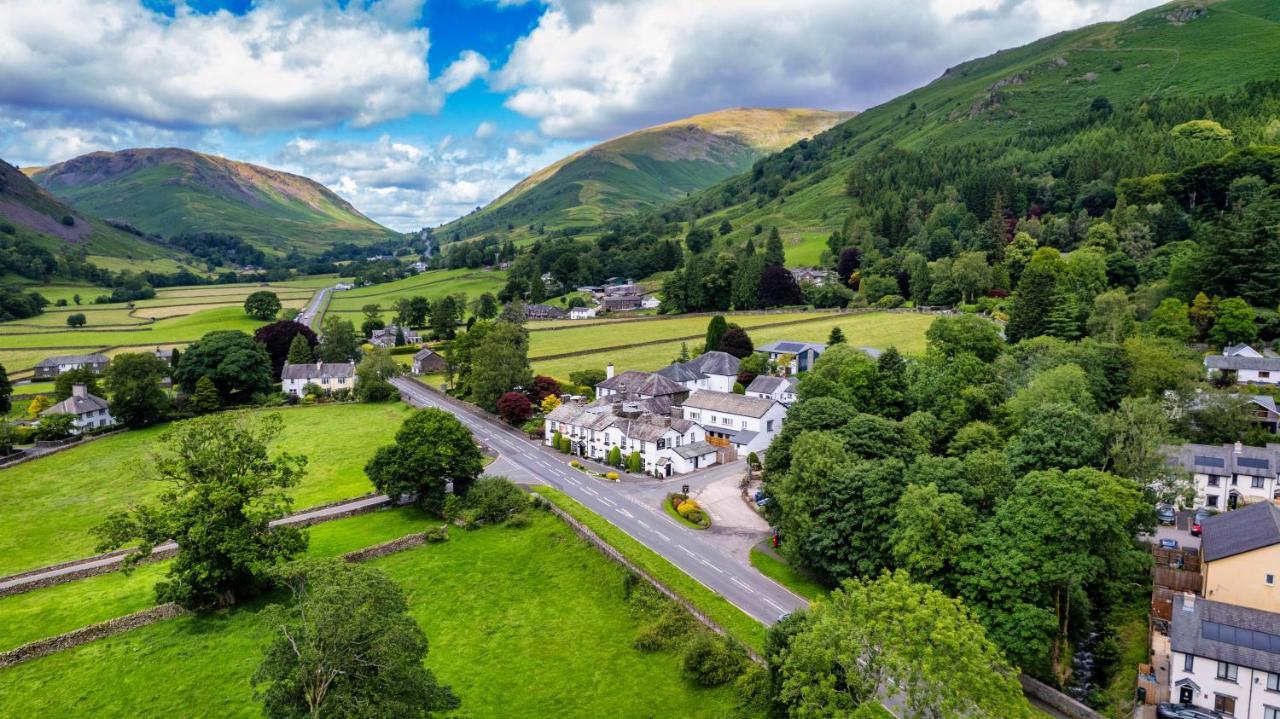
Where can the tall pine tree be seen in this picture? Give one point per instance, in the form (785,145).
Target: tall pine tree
(300,351)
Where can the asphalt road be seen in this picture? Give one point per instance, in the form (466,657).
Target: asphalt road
(308,315)
(629,506)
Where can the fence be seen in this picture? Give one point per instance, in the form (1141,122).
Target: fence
(1176,579)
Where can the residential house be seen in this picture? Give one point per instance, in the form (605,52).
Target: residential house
(386,337)
(747,424)
(1244,365)
(1240,557)
(51,367)
(418,267)
(1230,475)
(795,356)
(668,444)
(1225,657)
(816,277)
(622,303)
(166,355)
(782,389)
(428,361)
(543,312)
(90,411)
(715,371)
(329,376)
(343,286)
(643,385)
(582,313)
(624,289)
(650,303)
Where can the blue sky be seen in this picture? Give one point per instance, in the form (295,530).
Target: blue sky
(417,111)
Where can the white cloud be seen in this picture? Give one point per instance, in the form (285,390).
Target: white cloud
(283,64)
(42,138)
(485,130)
(407,185)
(600,67)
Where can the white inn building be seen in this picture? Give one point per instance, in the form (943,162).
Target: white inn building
(667,443)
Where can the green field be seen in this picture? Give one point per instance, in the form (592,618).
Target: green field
(186,328)
(47,506)
(432,285)
(904,330)
(524,622)
(591,336)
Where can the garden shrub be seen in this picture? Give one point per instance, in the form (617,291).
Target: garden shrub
(712,661)
(519,520)
(436,535)
(611,476)
(671,627)
(494,499)
(889,302)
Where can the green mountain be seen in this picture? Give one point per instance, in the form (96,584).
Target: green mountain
(37,216)
(169,191)
(644,169)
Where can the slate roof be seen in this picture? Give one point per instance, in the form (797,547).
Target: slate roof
(1239,362)
(424,353)
(56,360)
(697,449)
(1226,459)
(642,383)
(790,348)
(1226,632)
(649,424)
(1238,349)
(318,369)
(1243,530)
(729,403)
(719,363)
(767,384)
(680,372)
(77,405)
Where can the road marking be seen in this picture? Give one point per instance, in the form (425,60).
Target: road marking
(665,538)
(686,551)
(607,501)
(739,582)
(590,491)
(641,522)
(771,603)
(625,513)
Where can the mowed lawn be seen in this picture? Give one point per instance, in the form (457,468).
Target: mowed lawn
(904,330)
(527,622)
(48,505)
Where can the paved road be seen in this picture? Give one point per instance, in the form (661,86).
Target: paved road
(309,316)
(631,507)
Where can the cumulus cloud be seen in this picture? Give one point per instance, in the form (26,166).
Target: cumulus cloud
(407,185)
(284,64)
(592,68)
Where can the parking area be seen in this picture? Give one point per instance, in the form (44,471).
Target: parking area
(1179,531)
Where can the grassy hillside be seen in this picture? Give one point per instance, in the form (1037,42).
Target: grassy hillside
(168,191)
(644,169)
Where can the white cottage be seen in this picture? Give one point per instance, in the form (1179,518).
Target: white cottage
(748,424)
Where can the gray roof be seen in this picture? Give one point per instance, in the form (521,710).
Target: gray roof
(729,403)
(77,405)
(1239,362)
(718,363)
(1226,459)
(318,369)
(424,353)
(642,383)
(680,372)
(767,384)
(650,418)
(1226,632)
(56,360)
(790,348)
(1237,349)
(1243,530)
(697,449)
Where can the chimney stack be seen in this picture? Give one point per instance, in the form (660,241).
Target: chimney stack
(608,371)
(1188,602)
(1239,447)
(79,390)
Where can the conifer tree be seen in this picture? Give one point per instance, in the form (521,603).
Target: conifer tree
(300,351)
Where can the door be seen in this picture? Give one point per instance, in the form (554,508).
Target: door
(1232,500)
(1185,695)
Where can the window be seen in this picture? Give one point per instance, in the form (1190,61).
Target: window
(768,425)
(1224,703)
(1264,374)
(1235,480)
(1270,712)
(1256,483)
(1270,581)
(1273,682)
(1188,662)
(744,424)
(662,444)
(1211,500)
(1227,671)
(1213,480)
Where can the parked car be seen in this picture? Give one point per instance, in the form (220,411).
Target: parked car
(1165,514)
(1168,543)
(1202,514)
(1185,711)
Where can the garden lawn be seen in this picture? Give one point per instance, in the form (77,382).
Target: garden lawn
(48,612)
(904,330)
(525,622)
(786,575)
(48,505)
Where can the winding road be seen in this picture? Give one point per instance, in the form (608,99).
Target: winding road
(311,314)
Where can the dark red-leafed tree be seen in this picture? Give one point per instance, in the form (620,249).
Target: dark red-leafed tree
(778,288)
(278,336)
(543,386)
(850,261)
(514,408)
(736,342)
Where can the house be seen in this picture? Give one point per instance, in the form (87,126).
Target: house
(386,337)
(650,303)
(622,303)
(329,376)
(418,267)
(782,389)
(343,286)
(428,361)
(1240,557)
(668,444)
(747,424)
(90,411)
(1244,365)
(795,356)
(644,385)
(1225,657)
(543,312)
(625,289)
(1230,475)
(582,313)
(51,367)
(715,371)
(816,277)
(165,355)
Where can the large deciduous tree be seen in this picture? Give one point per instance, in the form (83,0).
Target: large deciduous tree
(339,341)
(737,342)
(223,489)
(66,380)
(237,366)
(133,380)
(499,364)
(432,450)
(278,337)
(262,305)
(778,288)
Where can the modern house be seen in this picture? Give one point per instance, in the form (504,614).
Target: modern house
(747,424)
(543,312)
(428,361)
(1225,657)
(795,356)
(51,367)
(715,371)
(782,389)
(1240,557)
(386,337)
(329,376)
(642,385)
(1230,475)
(1244,365)
(90,411)
(652,426)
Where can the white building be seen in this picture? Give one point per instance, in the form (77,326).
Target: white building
(782,389)
(650,303)
(90,411)
(748,424)
(329,376)
(715,371)
(1245,364)
(386,337)
(794,356)
(642,385)
(1229,476)
(582,313)
(51,367)
(667,443)
(1225,657)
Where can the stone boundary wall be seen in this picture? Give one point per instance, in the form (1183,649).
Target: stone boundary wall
(91,633)
(409,541)
(1055,699)
(28,456)
(85,573)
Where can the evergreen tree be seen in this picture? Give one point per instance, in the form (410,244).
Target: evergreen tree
(1037,296)
(615,457)
(300,351)
(635,463)
(1202,313)
(715,330)
(6,392)
(1063,320)
(836,337)
(205,399)
(774,256)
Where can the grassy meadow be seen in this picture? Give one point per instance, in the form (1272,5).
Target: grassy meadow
(48,505)
(432,285)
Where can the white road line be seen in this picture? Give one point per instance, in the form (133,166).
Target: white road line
(641,522)
(665,538)
(590,491)
(607,501)
(738,582)
(686,551)
(625,513)
(771,603)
